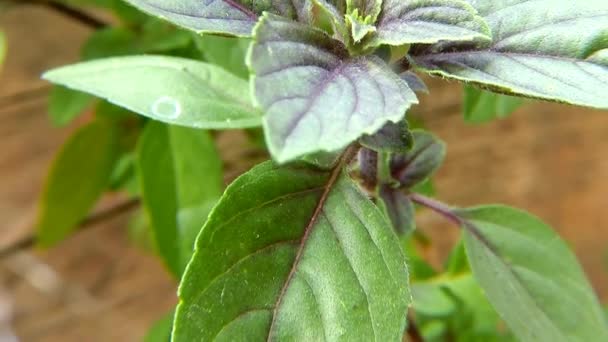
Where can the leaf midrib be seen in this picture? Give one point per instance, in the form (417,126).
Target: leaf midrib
(335,175)
(478,235)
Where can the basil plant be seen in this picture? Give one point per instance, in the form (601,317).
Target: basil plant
(313,244)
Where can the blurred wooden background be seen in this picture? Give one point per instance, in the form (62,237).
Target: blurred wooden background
(96,286)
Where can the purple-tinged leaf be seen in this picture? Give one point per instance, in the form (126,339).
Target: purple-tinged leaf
(415,82)
(399,209)
(555,50)
(420,162)
(232,17)
(368,167)
(428,21)
(317,98)
(393,137)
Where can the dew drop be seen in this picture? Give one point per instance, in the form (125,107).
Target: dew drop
(167,107)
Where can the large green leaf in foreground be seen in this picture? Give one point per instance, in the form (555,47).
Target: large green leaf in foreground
(169,89)
(531,277)
(293,253)
(548,49)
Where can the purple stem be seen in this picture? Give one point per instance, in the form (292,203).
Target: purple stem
(438,207)
(242,8)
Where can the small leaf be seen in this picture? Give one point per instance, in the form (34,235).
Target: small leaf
(414,82)
(327,100)
(429,21)
(160,37)
(3,46)
(109,42)
(398,208)
(231,17)
(229,53)
(66,104)
(393,137)
(358,28)
(481,106)
(420,162)
(181,179)
(369,9)
(169,89)
(531,277)
(78,177)
(554,50)
(316,262)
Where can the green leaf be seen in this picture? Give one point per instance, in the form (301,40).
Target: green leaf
(531,276)
(327,100)
(3,46)
(547,49)
(429,22)
(78,177)
(168,89)
(366,9)
(160,37)
(359,29)
(161,330)
(229,53)
(154,36)
(66,104)
(294,254)
(420,162)
(230,17)
(461,304)
(109,42)
(181,179)
(482,106)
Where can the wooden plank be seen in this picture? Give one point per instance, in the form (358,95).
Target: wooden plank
(96,286)
(38,40)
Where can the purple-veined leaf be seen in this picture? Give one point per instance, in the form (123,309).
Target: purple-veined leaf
(398,208)
(428,21)
(548,49)
(420,162)
(393,137)
(414,81)
(315,97)
(233,17)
